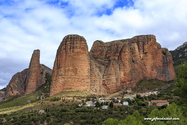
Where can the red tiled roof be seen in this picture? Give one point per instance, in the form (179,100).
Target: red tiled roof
(159,101)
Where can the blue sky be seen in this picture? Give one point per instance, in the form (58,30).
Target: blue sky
(26,25)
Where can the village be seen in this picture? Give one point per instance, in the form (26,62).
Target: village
(126,100)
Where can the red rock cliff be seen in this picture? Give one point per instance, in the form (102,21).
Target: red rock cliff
(126,62)
(109,66)
(71,69)
(16,85)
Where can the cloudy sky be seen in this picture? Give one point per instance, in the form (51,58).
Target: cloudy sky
(26,25)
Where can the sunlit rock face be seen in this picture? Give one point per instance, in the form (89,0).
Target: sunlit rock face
(109,66)
(33,74)
(71,69)
(17,84)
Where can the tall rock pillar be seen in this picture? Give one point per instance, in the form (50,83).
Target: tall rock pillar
(33,75)
(71,70)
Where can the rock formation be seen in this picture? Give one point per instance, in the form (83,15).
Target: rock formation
(179,54)
(33,75)
(138,58)
(28,80)
(71,69)
(109,66)
(16,85)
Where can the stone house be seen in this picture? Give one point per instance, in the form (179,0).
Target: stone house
(159,102)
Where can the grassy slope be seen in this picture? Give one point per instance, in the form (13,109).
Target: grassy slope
(19,106)
(77,93)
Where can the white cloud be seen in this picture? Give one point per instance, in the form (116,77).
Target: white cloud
(34,24)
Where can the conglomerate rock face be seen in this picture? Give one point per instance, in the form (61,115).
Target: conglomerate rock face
(33,75)
(28,80)
(138,58)
(16,85)
(109,66)
(71,69)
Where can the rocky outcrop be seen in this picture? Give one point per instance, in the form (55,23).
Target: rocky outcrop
(71,69)
(181,46)
(28,80)
(16,85)
(109,66)
(2,95)
(179,55)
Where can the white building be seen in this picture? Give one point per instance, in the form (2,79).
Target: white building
(125,103)
(80,105)
(100,99)
(89,104)
(155,92)
(115,98)
(119,100)
(104,107)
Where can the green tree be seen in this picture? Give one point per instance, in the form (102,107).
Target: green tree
(172,111)
(87,99)
(111,105)
(97,104)
(134,119)
(181,85)
(95,121)
(110,121)
(129,101)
